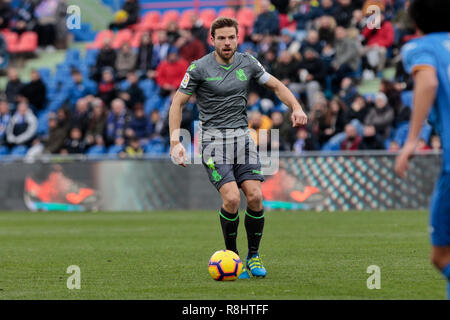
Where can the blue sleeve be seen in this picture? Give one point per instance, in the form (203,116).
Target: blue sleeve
(417,54)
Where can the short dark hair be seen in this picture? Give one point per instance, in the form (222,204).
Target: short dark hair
(223,22)
(431,15)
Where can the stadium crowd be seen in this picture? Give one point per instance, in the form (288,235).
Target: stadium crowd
(321,50)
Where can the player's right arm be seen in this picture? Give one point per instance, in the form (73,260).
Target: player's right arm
(419,59)
(426,85)
(177,151)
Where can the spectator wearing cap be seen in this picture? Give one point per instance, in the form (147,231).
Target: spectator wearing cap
(125,62)
(170,72)
(381,117)
(23,126)
(5,117)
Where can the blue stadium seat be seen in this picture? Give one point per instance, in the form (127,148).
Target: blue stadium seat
(155,102)
(148,87)
(43,122)
(115,149)
(155,146)
(19,150)
(45,74)
(90,57)
(72,57)
(96,150)
(3,150)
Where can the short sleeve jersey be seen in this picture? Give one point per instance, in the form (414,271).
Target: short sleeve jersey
(222,90)
(433,51)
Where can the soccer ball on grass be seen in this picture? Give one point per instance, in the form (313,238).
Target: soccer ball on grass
(225,265)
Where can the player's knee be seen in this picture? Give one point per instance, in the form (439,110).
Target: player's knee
(231,201)
(255,198)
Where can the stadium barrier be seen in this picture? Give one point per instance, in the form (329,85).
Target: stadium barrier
(313,181)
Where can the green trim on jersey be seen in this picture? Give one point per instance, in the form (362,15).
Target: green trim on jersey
(226,68)
(192,67)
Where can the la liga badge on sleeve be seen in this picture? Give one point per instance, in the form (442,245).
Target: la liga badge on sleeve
(185,81)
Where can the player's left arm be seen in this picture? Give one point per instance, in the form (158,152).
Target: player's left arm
(298,117)
(425,90)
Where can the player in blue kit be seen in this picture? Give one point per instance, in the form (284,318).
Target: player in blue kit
(427,59)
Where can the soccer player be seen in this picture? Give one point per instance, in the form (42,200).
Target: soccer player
(428,60)
(221,79)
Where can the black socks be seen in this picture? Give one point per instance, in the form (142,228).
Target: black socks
(229,223)
(254,224)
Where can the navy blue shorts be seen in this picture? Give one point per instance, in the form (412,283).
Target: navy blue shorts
(236,161)
(440,212)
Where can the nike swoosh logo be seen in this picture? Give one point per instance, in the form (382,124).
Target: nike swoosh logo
(77,198)
(300,196)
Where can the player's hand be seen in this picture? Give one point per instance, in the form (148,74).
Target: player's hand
(402,160)
(178,154)
(299,118)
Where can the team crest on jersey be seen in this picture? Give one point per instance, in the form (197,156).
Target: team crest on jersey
(241,75)
(185,81)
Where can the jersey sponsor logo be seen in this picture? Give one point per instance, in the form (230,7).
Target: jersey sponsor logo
(241,75)
(185,81)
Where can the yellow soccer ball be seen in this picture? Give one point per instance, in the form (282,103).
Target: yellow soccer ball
(225,265)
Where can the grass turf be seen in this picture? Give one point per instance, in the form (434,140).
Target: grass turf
(164,255)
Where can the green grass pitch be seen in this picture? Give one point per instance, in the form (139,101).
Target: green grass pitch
(164,255)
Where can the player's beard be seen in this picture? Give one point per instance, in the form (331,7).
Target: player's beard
(226,56)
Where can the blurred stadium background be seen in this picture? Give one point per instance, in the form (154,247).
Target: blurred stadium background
(84,127)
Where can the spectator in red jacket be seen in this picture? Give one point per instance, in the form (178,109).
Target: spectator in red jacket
(191,48)
(378,38)
(170,72)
